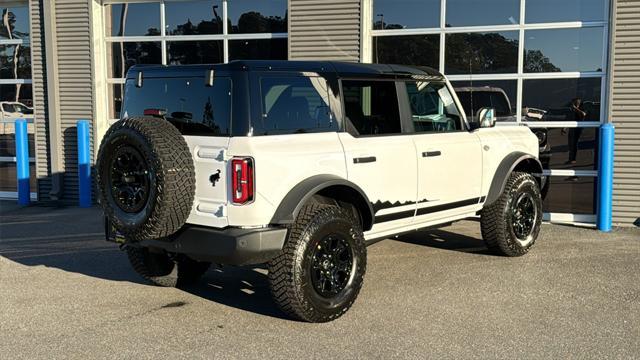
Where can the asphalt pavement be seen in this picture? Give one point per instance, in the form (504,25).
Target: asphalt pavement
(66,293)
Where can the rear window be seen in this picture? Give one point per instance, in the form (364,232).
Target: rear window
(190,105)
(294,105)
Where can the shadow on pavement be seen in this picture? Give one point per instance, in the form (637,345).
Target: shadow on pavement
(57,238)
(446,240)
(244,288)
(72,239)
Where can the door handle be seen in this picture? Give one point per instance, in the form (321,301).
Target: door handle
(363,160)
(431,153)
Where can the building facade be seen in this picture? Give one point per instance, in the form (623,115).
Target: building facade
(560,67)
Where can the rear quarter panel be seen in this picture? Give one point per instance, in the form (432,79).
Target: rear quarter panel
(281,162)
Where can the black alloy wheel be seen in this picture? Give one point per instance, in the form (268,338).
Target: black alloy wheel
(511,224)
(523,217)
(130,179)
(332,265)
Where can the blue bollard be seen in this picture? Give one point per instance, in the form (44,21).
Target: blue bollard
(605,177)
(22,162)
(84,164)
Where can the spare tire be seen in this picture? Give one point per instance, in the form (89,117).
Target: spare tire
(146,178)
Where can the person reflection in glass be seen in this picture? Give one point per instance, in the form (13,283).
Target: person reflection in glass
(577,114)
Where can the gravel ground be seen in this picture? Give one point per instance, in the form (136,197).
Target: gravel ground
(66,293)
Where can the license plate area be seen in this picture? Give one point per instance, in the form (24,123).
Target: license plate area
(112,234)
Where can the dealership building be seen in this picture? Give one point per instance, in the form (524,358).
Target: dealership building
(65,60)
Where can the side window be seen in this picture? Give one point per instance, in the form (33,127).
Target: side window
(187,103)
(294,105)
(432,107)
(371,107)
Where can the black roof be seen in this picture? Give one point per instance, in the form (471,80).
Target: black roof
(342,68)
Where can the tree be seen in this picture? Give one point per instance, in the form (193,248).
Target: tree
(481,53)
(535,61)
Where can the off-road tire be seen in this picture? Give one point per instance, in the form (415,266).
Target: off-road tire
(163,269)
(171,177)
(289,272)
(496,225)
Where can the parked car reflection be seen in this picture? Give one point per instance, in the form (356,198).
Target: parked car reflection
(475,98)
(11,110)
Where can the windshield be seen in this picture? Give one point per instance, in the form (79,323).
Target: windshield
(8,108)
(20,108)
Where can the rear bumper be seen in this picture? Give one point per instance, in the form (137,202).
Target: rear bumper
(231,246)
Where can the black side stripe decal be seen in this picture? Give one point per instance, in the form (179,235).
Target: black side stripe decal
(378,205)
(424,211)
(394,216)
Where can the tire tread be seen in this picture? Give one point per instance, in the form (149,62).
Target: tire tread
(493,223)
(284,287)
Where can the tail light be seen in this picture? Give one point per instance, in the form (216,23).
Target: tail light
(155,112)
(242,177)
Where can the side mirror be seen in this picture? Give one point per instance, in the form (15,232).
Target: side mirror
(486,117)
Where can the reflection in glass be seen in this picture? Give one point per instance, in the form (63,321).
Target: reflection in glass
(8,139)
(368,110)
(136,19)
(498,94)
(567,148)
(15,62)
(474,12)
(294,105)
(407,50)
(561,99)
(9,179)
(569,194)
(198,110)
(432,107)
(14,22)
(115,94)
(563,50)
(481,53)
(541,11)
(257,16)
(127,54)
(265,49)
(195,52)
(193,17)
(17,93)
(406,14)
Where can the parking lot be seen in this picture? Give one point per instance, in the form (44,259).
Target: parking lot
(66,293)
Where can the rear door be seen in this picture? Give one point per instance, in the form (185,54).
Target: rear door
(202,114)
(379,157)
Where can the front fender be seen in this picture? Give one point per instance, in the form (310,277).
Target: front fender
(519,160)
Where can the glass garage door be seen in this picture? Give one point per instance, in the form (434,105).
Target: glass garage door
(175,32)
(16,98)
(540,63)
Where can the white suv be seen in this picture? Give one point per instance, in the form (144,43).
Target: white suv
(301,165)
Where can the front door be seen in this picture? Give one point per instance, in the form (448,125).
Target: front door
(379,157)
(449,157)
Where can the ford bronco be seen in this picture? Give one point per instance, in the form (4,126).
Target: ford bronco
(301,165)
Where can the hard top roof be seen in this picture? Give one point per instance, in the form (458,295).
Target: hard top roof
(342,68)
